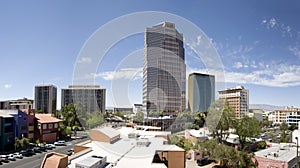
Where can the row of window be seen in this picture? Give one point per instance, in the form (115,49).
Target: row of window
(49,126)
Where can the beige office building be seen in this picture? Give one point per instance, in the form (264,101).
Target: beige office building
(164,77)
(238,98)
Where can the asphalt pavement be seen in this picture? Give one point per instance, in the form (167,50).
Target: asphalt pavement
(35,161)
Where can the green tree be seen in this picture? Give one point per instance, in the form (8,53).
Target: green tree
(94,120)
(284,137)
(261,145)
(22,143)
(246,127)
(177,140)
(71,113)
(220,118)
(227,155)
(139,117)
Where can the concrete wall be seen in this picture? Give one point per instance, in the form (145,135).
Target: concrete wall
(267,163)
(49,138)
(176,159)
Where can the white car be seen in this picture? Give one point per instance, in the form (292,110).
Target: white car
(49,146)
(11,157)
(60,143)
(18,155)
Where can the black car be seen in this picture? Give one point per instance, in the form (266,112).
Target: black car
(70,152)
(217,166)
(36,150)
(30,152)
(203,161)
(24,153)
(42,148)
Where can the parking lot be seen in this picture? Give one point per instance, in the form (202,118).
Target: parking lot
(35,160)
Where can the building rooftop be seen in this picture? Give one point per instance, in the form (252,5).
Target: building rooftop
(11,112)
(4,114)
(46,118)
(281,152)
(126,153)
(110,132)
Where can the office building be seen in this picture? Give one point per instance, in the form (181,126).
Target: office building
(45,98)
(164,70)
(201,92)
(289,115)
(238,98)
(19,104)
(91,97)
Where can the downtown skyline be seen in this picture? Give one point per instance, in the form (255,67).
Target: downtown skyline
(258,43)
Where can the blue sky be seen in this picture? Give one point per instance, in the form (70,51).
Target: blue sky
(258,43)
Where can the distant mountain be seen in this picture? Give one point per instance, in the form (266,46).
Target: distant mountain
(265,107)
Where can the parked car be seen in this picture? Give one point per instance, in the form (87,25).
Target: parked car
(11,157)
(36,150)
(18,155)
(203,161)
(42,148)
(30,152)
(60,143)
(4,158)
(49,146)
(24,153)
(70,152)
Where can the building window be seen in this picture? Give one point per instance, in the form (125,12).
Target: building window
(44,126)
(50,126)
(55,125)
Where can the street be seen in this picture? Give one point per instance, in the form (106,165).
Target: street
(35,161)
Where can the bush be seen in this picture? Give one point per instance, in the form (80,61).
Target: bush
(261,145)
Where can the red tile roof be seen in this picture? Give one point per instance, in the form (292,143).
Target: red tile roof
(46,118)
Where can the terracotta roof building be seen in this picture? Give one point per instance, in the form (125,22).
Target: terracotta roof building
(47,127)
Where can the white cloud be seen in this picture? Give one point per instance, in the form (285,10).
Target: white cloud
(237,65)
(7,86)
(295,50)
(84,60)
(280,75)
(125,73)
(275,24)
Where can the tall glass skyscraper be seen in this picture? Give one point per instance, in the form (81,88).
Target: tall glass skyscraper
(201,92)
(164,70)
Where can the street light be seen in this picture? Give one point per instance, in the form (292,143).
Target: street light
(297,153)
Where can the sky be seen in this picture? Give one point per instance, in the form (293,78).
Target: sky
(258,43)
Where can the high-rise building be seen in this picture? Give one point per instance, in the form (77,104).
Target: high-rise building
(45,98)
(91,97)
(201,92)
(238,98)
(164,70)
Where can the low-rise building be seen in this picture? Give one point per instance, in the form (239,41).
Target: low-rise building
(281,115)
(48,128)
(7,136)
(278,155)
(20,122)
(148,149)
(55,160)
(18,104)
